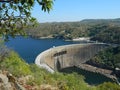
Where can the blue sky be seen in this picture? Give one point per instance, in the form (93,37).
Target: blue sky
(76,10)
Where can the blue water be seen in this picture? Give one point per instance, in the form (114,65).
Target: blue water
(29,48)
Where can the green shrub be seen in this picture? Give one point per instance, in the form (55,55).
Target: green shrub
(14,64)
(108,86)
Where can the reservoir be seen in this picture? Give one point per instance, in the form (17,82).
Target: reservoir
(29,48)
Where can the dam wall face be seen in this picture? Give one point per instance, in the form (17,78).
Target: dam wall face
(68,55)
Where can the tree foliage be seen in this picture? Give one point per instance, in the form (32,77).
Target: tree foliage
(16,14)
(108,86)
(109,57)
(110,34)
(107,31)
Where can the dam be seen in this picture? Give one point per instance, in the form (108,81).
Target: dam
(61,57)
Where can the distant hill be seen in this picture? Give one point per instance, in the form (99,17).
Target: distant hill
(97,29)
(101,20)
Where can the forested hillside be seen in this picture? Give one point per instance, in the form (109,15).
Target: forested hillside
(109,57)
(103,30)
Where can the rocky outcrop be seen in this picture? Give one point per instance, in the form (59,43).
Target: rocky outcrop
(4,83)
(9,82)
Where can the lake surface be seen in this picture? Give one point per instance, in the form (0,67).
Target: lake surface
(29,48)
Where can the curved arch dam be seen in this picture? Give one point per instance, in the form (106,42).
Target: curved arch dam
(65,56)
(61,57)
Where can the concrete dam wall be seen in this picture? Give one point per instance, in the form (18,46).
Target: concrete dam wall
(65,56)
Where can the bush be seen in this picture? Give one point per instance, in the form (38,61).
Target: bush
(4,51)
(14,64)
(108,86)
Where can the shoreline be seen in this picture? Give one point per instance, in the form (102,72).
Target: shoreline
(105,72)
(81,39)
(91,68)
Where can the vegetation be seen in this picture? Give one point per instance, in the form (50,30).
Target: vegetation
(62,30)
(108,35)
(99,30)
(16,15)
(108,86)
(3,51)
(15,65)
(108,58)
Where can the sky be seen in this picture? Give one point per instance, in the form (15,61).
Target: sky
(77,10)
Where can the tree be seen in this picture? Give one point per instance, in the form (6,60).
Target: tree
(16,14)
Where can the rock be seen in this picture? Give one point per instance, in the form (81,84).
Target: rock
(9,82)
(14,81)
(47,87)
(5,85)
(23,80)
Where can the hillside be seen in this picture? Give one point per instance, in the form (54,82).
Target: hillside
(16,74)
(108,58)
(97,29)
